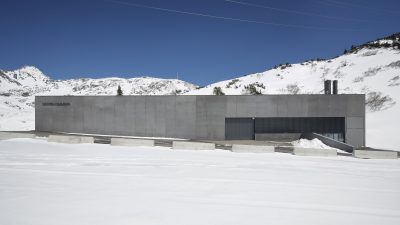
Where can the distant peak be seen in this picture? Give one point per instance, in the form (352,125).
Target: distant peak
(30,69)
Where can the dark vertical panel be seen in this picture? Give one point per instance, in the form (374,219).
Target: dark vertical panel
(327,87)
(300,125)
(239,129)
(335,87)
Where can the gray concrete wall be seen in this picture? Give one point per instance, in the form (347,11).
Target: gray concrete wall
(190,117)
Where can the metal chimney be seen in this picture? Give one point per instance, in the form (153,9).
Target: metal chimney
(327,87)
(335,87)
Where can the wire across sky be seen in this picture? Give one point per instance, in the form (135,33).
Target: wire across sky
(239,19)
(203,40)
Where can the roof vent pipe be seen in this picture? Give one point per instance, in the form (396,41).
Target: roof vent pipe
(335,87)
(327,87)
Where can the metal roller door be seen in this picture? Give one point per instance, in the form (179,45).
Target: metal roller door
(239,129)
(333,127)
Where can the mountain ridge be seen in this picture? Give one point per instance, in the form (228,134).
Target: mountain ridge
(372,68)
(18,88)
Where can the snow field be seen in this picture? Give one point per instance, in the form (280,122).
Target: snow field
(51,183)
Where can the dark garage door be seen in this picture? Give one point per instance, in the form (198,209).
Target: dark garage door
(245,128)
(239,129)
(333,127)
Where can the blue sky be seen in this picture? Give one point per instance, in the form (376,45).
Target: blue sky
(204,41)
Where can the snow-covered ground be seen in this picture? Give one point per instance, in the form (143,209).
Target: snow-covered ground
(314,143)
(49,183)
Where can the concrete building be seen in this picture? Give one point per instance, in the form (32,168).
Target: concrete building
(341,117)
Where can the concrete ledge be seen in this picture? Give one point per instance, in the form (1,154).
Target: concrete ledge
(11,135)
(131,142)
(314,152)
(187,145)
(70,139)
(367,154)
(277,136)
(253,148)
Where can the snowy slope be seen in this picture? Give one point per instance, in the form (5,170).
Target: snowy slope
(369,69)
(18,88)
(372,68)
(50,184)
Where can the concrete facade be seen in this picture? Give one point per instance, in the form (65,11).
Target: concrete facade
(189,117)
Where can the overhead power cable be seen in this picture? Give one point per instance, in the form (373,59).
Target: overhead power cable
(295,11)
(230,18)
(347,4)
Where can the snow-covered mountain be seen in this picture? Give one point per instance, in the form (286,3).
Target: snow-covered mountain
(18,88)
(372,68)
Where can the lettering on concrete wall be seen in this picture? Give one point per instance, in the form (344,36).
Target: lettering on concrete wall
(56,104)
